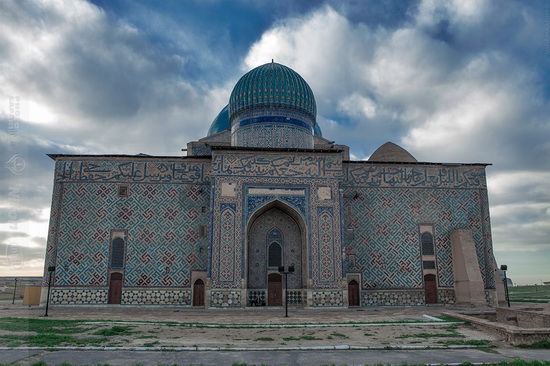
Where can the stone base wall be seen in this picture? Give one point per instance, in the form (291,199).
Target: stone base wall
(334,298)
(446,296)
(150,296)
(78,296)
(523,318)
(225,298)
(392,298)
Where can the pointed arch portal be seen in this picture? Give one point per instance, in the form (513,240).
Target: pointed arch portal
(275,238)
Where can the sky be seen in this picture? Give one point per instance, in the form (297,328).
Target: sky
(456,81)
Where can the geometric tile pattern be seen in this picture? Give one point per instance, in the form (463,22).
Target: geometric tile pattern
(392,298)
(386,240)
(327,298)
(257,297)
(227,248)
(446,296)
(51,246)
(76,296)
(156,297)
(225,298)
(273,135)
(255,202)
(326,245)
(162,222)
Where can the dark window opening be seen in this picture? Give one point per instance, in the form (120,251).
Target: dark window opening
(428,264)
(117,253)
(202,231)
(275,255)
(427,244)
(123,190)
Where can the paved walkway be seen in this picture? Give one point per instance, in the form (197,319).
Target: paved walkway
(252,352)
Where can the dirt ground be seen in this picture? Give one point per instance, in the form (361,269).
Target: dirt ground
(262,327)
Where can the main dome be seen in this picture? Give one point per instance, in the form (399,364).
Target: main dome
(272,106)
(272,84)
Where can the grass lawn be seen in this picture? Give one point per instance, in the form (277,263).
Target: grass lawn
(525,293)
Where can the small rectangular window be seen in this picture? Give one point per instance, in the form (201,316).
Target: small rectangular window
(123,190)
(203,209)
(428,264)
(202,231)
(350,234)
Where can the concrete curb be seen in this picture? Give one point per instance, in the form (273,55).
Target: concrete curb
(237,325)
(302,348)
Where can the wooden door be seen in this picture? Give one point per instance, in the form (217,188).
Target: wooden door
(353,293)
(198,293)
(430,287)
(115,288)
(274,290)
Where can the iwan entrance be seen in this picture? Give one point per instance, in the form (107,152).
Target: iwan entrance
(275,238)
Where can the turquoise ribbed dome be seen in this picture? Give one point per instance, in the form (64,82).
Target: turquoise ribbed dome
(221,122)
(272,85)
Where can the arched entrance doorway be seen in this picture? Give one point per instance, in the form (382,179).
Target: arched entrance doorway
(430,288)
(198,293)
(353,293)
(115,288)
(275,238)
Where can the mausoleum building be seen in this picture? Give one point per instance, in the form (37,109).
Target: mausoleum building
(263,190)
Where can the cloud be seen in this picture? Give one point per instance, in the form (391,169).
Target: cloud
(105,86)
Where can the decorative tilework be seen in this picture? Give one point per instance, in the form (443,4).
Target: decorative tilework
(53,231)
(274,165)
(257,297)
(272,135)
(227,246)
(274,220)
(392,298)
(446,296)
(297,202)
(281,171)
(225,298)
(132,170)
(161,253)
(78,296)
(326,244)
(415,176)
(328,298)
(295,297)
(156,297)
(385,224)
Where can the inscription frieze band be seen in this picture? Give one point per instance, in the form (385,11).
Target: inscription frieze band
(416,176)
(132,171)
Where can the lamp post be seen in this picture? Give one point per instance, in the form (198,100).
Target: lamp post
(504,268)
(14,289)
(289,269)
(51,269)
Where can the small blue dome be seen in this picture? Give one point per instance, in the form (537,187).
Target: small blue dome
(317,130)
(221,122)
